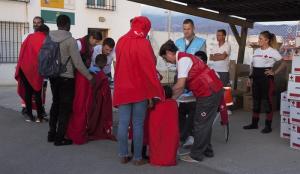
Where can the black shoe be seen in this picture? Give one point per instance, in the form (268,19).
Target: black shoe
(209,154)
(63,142)
(51,137)
(46,119)
(29,118)
(268,127)
(209,151)
(253,125)
(44,114)
(24,111)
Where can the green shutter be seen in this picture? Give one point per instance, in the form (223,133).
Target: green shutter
(101,3)
(50,16)
(90,2)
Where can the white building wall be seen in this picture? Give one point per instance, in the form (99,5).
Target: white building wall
(13,11)
(117,22)
(17,12)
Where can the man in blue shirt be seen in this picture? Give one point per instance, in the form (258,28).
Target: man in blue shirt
(190,43)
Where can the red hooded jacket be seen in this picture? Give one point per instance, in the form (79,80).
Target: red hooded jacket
(135,75)
(28,62)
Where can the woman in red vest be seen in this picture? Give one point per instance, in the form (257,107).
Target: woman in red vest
(27,73)
(77,124)
(208,90)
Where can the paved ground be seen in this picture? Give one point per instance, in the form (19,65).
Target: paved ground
(24,150)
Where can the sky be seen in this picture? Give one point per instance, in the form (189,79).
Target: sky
(153,10)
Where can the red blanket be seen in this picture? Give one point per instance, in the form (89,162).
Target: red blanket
(28,63)
(99,110)
(135,76)
(163,133)
(92,111)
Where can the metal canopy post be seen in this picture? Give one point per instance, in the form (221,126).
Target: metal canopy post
(241,40)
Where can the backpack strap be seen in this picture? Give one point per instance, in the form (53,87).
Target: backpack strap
(65,64)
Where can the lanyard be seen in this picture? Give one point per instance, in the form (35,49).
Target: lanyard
(187,46)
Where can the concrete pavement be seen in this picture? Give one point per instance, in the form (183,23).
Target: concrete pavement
(23,149)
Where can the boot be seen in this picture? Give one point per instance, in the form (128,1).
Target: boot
(268,127)
(253,125)
(51,136)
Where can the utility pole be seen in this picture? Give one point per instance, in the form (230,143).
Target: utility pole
(169,23)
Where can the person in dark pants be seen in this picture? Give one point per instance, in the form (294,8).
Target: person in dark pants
(30,83)
(63,86)
(186,111)
(29,92)
(263,79)
(208,90)
(186,116)
(37,23)
(190,43)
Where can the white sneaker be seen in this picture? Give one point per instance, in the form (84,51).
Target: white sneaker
(183,152)
(189,159)
(188,142)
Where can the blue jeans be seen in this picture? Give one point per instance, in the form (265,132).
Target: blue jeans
(136,111)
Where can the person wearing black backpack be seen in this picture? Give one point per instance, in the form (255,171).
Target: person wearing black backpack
(63,85)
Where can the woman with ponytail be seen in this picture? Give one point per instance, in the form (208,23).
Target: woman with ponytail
(262,79)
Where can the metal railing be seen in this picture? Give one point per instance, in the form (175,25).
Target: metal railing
(102,4)
(11,35)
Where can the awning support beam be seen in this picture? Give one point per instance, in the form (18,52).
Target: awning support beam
(241,40)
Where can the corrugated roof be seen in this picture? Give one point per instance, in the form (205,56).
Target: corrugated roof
(252,10)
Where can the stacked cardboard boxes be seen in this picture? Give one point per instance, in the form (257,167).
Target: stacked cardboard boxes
(285,123)
(293,94)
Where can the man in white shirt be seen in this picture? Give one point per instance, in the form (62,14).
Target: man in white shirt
(220,57)
(106,48)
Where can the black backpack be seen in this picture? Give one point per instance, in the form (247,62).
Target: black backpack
(50,64)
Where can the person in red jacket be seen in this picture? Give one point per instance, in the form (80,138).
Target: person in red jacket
(194,74)
(30,83)
(136,83)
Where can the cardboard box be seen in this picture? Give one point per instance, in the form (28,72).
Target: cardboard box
(294,87)
(242,84)
(285,127)
(237,70)
(237,99)
(248,103)
(296,64)
(284,105)
(295,112)
(295,137)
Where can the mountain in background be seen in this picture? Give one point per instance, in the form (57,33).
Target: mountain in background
(159,19)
